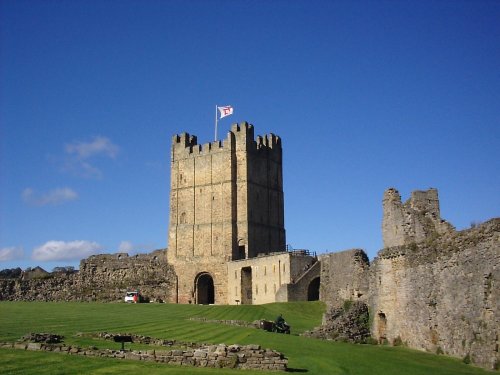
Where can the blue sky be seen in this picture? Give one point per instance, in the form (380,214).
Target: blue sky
(365,95)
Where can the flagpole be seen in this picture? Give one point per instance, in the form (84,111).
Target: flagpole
(216,123)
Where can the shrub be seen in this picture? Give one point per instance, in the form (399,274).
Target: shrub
(467,359)
(397,341)
(370,341)
(347,304)
(364,320)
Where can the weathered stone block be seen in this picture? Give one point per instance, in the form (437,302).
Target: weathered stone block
(200,354)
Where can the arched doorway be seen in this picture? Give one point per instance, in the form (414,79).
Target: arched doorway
(205,291)
(382,327)
(313,290)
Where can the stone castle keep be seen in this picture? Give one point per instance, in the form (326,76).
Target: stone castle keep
(431,287)
(226,204)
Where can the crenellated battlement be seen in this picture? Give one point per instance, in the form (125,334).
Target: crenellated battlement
(241,136)
(184,140)
(185,145)
(268,141)
(243,128)
(207,148)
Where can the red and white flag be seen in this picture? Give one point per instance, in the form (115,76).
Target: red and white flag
(225,111)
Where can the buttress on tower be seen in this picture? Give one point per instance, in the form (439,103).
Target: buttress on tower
(226,204)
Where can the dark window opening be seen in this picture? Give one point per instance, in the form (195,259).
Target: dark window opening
(246,286)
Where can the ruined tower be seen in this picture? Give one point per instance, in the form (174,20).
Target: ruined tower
(226,203)
(413,221)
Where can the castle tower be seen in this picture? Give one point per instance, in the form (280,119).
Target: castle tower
(226,203)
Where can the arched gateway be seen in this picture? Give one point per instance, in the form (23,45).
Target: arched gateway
(204,289)
(313,290)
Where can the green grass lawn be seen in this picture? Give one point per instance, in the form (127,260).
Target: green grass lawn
(168,321)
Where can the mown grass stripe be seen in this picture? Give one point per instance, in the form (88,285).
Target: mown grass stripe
(172,322)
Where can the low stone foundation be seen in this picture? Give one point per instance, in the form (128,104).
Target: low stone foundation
(198,355)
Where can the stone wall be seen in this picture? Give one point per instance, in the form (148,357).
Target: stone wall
(347,323)
(249,357)
(413,221)
(101,278)
(441,295)
(107,277)
(50,288)
(261,279)
(304,288)
(344,276)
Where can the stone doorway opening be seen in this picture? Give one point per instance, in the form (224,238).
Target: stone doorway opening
(246,286)
(313,290)
(241,252)
(204,289)
(382,327)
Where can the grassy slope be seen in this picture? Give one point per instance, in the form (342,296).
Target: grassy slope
(172,322)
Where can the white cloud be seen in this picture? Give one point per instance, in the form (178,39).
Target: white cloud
(11,253)
(99,146)
(78,155)
(61,250)
(53,197)
(130,248)
(125,247)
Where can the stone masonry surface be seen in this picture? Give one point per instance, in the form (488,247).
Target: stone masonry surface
(218,356)
(415,220)
(226,203)
(344,276)
(442,294)
(101,278)
(348,323)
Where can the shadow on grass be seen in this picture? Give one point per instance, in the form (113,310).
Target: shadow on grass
(296,370)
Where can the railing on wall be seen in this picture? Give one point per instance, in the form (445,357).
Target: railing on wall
(290,249)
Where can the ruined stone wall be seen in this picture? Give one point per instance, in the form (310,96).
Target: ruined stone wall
(442,294)
(49,288)
(413,221)
(101,278)
(109,276)
(344,276)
